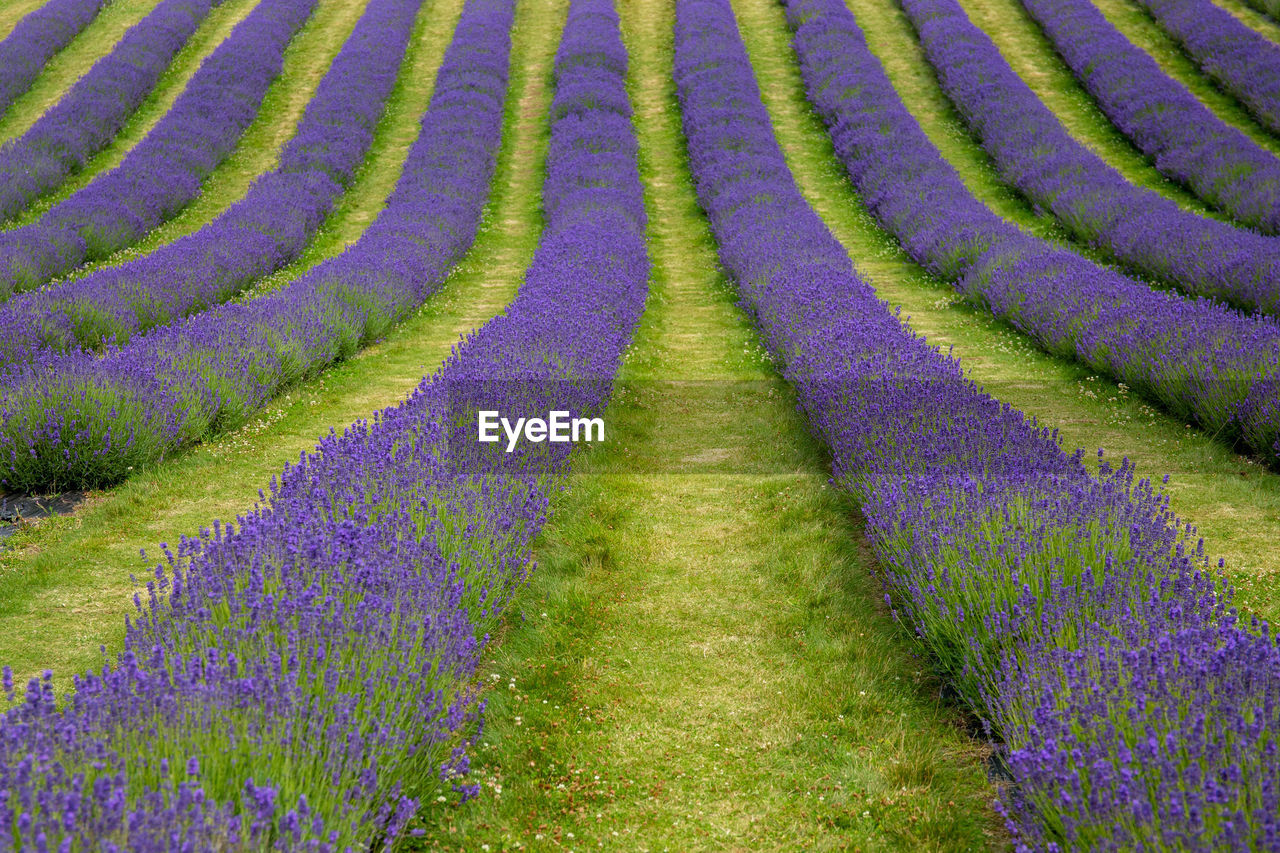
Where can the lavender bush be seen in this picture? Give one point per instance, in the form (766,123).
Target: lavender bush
(89,116)
(1184,140)
(1141,228)
(1238,59)
(1197,359)
(164,172)
(86,418)
(300,682)
(265,230)
(1014,567)
(36,39)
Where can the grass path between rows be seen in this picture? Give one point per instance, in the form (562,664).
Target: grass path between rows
(1234,501)
(1140,28)
(1032,58)
(701,659)
(211,33)
(65,582)
(70,64)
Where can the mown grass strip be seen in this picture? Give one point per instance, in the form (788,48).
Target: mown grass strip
(1234,501)
(700,660)
(215,28)
(1139,27)
(65,583)
(70,64)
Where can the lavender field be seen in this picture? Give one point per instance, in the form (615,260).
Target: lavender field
(640,425)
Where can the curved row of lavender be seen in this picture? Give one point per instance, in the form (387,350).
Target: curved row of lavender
(262,232)
(36,39)
(303,680)
(1013,566)
(1033,151)
(90,115)
(165,171)
(1198,359)
(1240,60)
(85,418)
(1184,140)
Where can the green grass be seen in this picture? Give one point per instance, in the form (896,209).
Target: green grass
(1031,56)
(1234,501)
(1141,29)
(212,31)
(701,660)
(70,64)
(65,582)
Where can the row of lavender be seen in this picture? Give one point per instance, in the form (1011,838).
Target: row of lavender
(1186,141)
(1198,359)
(36,39)
(1072,613)
(265,230)
(164,172)
(303,682)
(1239,59)
(1141,228)
(92,113)
(88,419)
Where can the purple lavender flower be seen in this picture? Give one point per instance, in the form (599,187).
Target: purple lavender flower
(164,172)
(1142,229)
(1184,140)
(92,113)
(36,39)
(305,673)
(1239,59)
(266,229)
(1074,614)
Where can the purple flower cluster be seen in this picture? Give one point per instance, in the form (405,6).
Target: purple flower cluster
(1239,59)
(297,682)
(35,40)
(82,418)
(1073,613)
(1184,140)
(164,172)
(1142,229)
(92,113)
(263,231)
(1198,359)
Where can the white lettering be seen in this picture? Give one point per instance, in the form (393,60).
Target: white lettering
(513,435)
(587,425)
(487,426)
